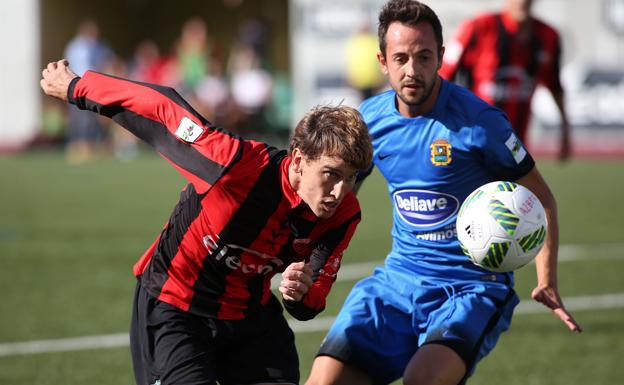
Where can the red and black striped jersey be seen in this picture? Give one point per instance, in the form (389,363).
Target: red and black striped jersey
(490,56)
(237,223)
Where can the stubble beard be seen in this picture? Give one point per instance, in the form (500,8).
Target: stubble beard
(428,90)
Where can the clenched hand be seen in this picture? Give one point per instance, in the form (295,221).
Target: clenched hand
(56,79)
(296,281)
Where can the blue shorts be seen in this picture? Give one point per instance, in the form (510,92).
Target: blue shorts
(390,314)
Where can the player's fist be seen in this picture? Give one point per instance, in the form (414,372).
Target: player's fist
(56,79)
(296,281)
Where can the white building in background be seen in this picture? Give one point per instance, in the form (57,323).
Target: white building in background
(593,61)
(20,98)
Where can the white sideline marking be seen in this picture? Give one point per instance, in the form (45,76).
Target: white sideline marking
(605,301)
(351,272)
(65,344)
(587,302)
(599,251)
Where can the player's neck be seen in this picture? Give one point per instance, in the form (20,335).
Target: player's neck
(521,16)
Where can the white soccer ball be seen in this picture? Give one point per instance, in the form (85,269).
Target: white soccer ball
(501,226)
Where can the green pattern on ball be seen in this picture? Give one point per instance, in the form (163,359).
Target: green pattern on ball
(471,198)
(503,216)
(506,186)
(531,241)
(495,255)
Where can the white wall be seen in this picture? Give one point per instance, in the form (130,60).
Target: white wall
(19,72)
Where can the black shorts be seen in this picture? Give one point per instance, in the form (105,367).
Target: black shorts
(171,346)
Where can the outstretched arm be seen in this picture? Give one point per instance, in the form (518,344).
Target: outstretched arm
(547,291)
(158,115)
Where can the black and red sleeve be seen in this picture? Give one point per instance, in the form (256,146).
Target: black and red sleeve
(159,116)
(325,261)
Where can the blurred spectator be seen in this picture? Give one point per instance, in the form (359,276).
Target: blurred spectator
(53,124)
(85,51)
(251,87)
(252,33)
(243,95)
(502,57)
(122,143)
(363,71)
(279,111)
(146,64)
(213,93)
(251,84)
(193,53)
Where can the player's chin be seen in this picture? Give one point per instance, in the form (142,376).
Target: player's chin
(412,96)
(324,210)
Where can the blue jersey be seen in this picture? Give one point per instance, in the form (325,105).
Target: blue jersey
(432,163)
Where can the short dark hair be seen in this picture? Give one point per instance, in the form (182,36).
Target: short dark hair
(409,12)
(334,131)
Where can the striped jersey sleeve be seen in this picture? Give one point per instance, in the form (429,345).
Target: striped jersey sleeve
(325,260)
(159,116)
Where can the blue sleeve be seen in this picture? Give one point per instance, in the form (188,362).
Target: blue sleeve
(504,155)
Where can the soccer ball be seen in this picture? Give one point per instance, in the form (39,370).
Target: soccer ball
(501,226)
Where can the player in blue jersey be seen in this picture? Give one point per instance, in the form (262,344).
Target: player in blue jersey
(429,315)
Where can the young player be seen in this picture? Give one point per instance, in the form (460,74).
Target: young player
(502,57)
(203,309)
(430,315)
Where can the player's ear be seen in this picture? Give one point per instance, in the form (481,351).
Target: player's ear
(297,160)
(382,61)
(441,56)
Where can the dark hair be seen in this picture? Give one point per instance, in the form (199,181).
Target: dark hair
(409,12)
(334,131)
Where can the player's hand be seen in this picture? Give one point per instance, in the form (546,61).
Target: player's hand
(550,298)
(56,79)
(296,281)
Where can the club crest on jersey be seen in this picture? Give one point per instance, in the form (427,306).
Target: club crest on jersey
(188,130)
(441,152)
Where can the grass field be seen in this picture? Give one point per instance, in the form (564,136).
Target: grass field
(70,234)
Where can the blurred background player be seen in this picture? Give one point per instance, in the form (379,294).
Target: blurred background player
(430,315)
(363,72)
(86,51)
(502,57)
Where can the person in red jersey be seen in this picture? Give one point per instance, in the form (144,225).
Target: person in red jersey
(203,310)
(502,57)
